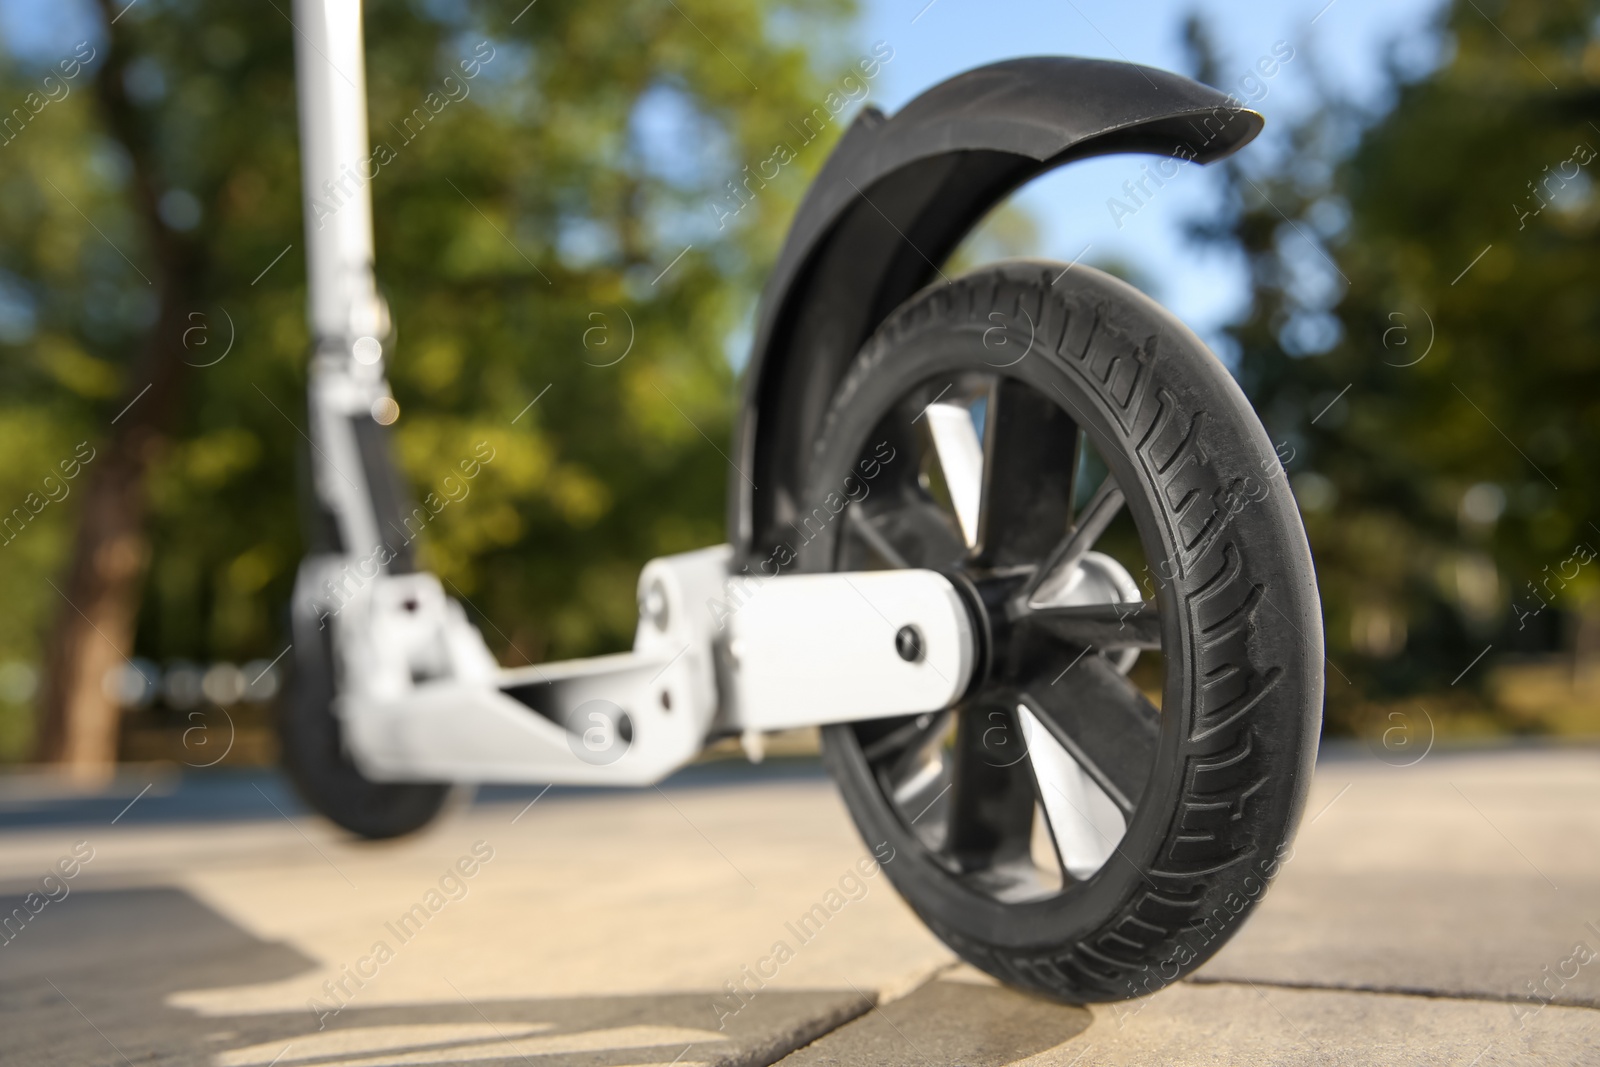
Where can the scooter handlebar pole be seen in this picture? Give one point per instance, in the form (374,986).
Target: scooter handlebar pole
(330,73)
(348,319)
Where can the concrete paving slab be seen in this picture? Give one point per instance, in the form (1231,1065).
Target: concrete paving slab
(625,928)
(965,1019)
(1245,1025)
(683,926)
(1465,874)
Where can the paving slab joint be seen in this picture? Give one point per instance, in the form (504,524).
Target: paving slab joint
(1397,991)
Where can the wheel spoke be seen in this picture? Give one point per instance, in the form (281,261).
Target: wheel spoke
(1085,823)
(1030,456)
(863,526)
(1125,625)
(919,775)
(892,739)
(960,452)
(911,531)
(1056,574)
(992,798)
(1104,722)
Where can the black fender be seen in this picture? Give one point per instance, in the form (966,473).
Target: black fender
(895,198)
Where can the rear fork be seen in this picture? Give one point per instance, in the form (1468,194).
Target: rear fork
(717,653)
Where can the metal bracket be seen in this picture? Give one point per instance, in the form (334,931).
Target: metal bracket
(716,652)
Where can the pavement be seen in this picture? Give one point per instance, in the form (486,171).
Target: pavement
(1441,912)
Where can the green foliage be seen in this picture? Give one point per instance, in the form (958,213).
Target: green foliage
(1393,268)
(520,235)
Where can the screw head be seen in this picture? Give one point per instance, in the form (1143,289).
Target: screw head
(653,605)
(908,642)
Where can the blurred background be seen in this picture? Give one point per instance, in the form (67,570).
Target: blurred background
(1401,271)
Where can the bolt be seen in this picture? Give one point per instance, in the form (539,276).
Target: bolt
(653,606)
(908,642)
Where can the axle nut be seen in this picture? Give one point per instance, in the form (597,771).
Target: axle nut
(908,642)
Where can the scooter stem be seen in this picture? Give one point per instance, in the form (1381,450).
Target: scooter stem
(334,153)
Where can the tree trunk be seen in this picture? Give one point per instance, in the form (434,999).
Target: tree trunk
(100,594)
(94,628)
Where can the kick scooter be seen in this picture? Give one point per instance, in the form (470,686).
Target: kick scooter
(964,509)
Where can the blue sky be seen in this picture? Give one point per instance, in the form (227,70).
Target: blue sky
(1346,47)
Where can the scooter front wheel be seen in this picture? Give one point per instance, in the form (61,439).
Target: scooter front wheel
(317,757)
(1124,774)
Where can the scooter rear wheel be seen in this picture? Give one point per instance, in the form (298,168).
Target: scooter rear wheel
(1093,480)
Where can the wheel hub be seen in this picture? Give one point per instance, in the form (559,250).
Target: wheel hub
(998,601)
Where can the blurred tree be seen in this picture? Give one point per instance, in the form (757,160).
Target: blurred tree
(561,230)
(1422,335)
(1008,232)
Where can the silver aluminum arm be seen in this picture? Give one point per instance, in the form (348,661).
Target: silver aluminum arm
(716,653)
(420,697)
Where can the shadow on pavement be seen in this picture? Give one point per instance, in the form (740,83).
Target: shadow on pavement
(92,978)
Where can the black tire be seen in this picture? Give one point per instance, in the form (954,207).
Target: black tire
(1210,786)
(314,754)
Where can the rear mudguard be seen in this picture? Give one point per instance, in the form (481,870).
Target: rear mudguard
(895,198)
